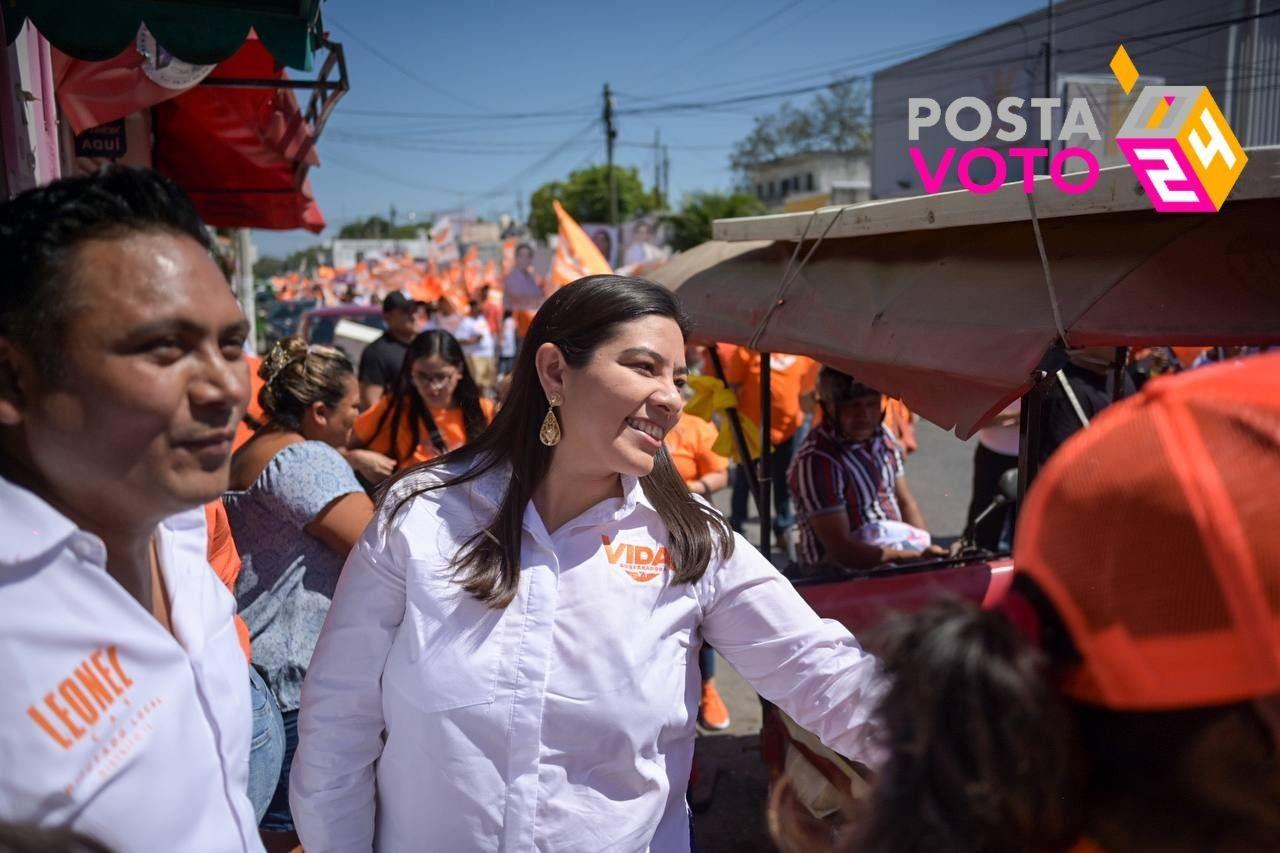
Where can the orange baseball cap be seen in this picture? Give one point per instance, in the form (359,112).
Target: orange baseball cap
(1155,535)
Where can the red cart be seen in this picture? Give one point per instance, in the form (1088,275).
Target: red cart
(959,304)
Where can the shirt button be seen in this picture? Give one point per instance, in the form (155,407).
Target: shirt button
(86,550)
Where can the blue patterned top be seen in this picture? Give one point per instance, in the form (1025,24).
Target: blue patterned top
(287,581)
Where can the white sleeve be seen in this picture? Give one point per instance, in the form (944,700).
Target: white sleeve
(812,668)
(340,725)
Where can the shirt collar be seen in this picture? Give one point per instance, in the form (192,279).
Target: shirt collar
(29,526)
(633,493)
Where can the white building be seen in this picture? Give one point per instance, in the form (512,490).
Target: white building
(812,179)
(347,253)
(1239,62)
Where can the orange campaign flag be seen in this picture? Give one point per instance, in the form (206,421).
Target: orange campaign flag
(576,253)
(509,255)
(425,289)
(453,287)
(471,269)
(490,275)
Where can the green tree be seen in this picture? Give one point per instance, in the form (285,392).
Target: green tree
(836,120)
(379,228)
(305,260)
(585,196)
(692,225)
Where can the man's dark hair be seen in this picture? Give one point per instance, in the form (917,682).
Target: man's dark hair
(836,386)
(42,229)
(521,246)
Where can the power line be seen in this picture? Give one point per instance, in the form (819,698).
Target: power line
(398,180)
(407,72)
(862,60)
(523,174)
(684,106)
(488,116)
(703,53)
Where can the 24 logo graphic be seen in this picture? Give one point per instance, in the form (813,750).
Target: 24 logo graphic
(1178,143)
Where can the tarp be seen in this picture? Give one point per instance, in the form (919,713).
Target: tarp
(92,93)
(954,320)
(241,154)
(202,32)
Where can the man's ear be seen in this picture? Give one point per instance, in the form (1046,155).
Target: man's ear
(551,366)
(17,377)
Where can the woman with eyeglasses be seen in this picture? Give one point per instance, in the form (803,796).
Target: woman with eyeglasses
(435,406)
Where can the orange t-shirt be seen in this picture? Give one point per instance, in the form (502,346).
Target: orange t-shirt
(449,421)
(243,431)
(793,376)
(524,319)
(225,559)
(689,444)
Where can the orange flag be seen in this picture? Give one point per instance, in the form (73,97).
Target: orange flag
(509,255)
(576,254)
(471,269)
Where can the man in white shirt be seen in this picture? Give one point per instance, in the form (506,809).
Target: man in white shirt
(477,345)
(125,713)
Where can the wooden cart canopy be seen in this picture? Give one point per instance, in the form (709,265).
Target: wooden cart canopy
(942,301)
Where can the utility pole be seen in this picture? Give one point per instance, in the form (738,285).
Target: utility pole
(610,134)
(666,173)
(1048,71)
(657,166)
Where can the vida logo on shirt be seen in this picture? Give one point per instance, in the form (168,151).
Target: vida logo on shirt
(641,562)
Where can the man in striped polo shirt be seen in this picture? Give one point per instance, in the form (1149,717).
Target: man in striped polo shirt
(849,485)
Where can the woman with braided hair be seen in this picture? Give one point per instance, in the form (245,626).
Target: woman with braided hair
(295,508)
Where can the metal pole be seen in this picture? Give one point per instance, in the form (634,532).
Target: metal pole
(243,283)
(666,173)
(766,456)
(610,134)
(657,166)
(1048,71)
(1029,425)
(735,426)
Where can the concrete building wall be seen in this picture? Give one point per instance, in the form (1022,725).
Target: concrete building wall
(1239,63)
(346,253)
(807,175)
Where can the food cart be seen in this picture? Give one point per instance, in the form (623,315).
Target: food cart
(959,304)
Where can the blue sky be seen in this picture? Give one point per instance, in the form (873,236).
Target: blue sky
(417,130)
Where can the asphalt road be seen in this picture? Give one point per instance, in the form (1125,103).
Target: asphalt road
(728,796)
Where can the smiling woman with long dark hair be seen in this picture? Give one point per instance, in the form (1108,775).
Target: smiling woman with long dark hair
(433,408)
(511,658)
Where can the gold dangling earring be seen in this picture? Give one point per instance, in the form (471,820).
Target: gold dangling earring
(549,434)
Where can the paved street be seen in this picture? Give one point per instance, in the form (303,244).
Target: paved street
(729,797)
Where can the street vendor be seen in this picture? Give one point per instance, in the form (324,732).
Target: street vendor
(850,487)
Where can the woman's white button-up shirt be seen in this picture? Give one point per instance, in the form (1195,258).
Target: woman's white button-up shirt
(565,721)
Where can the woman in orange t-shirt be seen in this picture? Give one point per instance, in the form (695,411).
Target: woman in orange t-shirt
(435,406)
(705,472)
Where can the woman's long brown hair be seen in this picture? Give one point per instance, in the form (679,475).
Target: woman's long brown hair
(578,318)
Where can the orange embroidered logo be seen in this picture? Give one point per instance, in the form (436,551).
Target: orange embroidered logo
(641,562)
(74,706)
